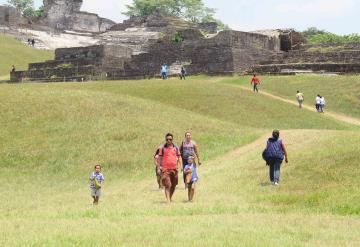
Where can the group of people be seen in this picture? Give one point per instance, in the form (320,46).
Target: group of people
(31,42)
(319,100)
(169,157)
(320,103)
(164,72)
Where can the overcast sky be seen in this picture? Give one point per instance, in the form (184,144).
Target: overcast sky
(338,16)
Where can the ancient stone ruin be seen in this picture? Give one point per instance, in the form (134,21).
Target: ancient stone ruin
(65,14)
(9,16)
(136,48)
(227,52)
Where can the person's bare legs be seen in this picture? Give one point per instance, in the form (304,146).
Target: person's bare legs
(168,194)
(191,194)
(172,190)
(159,182)
(94,199)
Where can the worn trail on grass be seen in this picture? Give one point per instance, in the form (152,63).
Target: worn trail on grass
(340,117)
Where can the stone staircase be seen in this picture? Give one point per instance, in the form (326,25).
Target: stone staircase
(332,58)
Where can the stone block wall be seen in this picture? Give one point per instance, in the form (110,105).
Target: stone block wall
(9,16)
(89,22)
(66,14)
(311,67)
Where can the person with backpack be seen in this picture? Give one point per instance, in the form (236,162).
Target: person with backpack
(170,160)
(274,154)
(189,148)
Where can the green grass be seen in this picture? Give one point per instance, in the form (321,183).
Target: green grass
(13,52)
(51,134)
(342,93)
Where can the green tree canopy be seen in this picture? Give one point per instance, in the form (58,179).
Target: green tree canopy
(190,10)
(26,7)
(21,5)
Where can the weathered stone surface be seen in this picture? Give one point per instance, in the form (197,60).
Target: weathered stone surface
(209,27)
(9,16)
(58,13)
(228,52)
(66,14)
(340,58)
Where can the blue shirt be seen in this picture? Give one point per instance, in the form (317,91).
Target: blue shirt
(192,167)
(164,69)
(99,176)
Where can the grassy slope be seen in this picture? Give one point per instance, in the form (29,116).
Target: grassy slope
(13,52)
(342,93)
(53,132)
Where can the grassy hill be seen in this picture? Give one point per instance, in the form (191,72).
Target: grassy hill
(13,52)
(53,133)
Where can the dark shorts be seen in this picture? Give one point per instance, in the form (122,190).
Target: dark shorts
(170,178)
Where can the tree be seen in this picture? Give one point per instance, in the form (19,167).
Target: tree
(21,5)
(26,8)
(311,31)
(191,10)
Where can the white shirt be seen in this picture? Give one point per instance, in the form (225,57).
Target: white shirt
(322,101)
(318,100)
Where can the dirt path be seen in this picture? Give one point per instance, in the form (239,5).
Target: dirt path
(338,116)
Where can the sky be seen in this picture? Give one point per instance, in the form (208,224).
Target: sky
(337,16)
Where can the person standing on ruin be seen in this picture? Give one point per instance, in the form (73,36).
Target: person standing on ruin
(255,82)
(170,160)
(300,98)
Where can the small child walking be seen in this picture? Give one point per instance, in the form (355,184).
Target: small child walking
(96,180)
(191,177)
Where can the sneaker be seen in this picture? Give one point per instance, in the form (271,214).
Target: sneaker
(276,183)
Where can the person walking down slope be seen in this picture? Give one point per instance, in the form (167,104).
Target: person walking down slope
(96,180)
(189,148)
(170,159)
(255,82)
(274,155)
(191,177)
(300,98)
(322,104)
